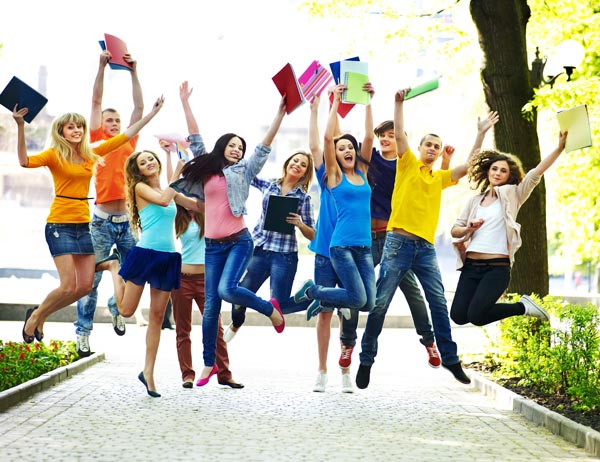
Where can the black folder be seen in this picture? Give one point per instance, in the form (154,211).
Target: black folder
(278,209)
(18,92)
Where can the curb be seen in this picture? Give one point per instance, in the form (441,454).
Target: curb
(580,435)
(21,392)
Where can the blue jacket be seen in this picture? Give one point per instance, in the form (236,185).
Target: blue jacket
(237,176)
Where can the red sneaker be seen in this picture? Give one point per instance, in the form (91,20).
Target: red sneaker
(346,356)
(434,355)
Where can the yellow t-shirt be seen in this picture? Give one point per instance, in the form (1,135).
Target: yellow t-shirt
(71,180)
(417,196)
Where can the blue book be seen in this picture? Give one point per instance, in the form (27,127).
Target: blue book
(18,92)
(335,69)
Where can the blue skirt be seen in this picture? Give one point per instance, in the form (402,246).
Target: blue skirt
(162,270)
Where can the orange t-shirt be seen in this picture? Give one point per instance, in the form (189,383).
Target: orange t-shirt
(71,180)
(110,177)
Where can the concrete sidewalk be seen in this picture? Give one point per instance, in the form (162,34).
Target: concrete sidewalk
(409,412)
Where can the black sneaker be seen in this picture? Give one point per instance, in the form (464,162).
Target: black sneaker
(458,373)
(363,376)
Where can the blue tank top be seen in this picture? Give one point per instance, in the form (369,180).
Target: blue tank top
(192,247)
(326,219)
(353,204)
(157,227)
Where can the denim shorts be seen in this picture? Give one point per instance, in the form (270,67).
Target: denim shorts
(69,239)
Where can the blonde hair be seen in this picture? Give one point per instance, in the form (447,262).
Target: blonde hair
(132,178)
(306,180)
(64,149)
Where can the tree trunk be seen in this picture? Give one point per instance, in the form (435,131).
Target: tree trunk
(507,87)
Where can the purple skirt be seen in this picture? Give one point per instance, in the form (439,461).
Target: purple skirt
(162,270)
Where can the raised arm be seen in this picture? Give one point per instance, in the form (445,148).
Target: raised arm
(314,141)
(137,126)
(547,161)
(366,150)
(399,133)
(483,125)
(447,154)
(184,94)
(98,91)
(163,198)
(136,91)
(165,145)
(332,168)
(274,128)
(18,115)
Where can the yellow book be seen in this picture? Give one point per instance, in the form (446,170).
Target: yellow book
(577,123)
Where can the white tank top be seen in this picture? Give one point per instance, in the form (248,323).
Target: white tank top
(491,237)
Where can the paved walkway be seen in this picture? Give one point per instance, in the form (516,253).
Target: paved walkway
(410,412)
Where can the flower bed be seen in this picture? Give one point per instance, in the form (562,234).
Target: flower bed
(20,362)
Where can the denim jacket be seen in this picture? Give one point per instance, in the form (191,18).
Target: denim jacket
(237,176)
(511,197)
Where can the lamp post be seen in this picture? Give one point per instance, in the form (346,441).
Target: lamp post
(568,55)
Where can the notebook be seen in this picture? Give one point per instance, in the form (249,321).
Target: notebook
(117,49)
(287,84)
(354,75)
(278,209)
(18,92)
(343,108)
(577,122)
(314,80)
(423,88)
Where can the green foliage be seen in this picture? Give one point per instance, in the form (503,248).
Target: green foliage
(563,359)
(573,189)
(20,362)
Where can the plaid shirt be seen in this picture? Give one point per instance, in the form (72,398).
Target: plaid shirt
(272,240)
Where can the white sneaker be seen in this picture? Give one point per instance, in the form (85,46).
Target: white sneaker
(229,333)
(533,309)
(83,345)
(321,382)
(118,324)
(346,313)
(347,384)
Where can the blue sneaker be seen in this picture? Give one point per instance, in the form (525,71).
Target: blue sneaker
(313,309)
(301,296)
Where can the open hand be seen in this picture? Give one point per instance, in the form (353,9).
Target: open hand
(483,125)
(184,91)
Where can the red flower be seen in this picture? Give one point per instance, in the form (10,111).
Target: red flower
(32,361)
(37,346)
(22,356)
(27,348)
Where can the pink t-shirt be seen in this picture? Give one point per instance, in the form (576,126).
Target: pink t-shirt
(220,222)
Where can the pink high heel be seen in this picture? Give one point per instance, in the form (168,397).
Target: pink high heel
(280,327)
(204,381)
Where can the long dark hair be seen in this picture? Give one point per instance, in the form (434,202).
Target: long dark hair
(202,167)
(349,137)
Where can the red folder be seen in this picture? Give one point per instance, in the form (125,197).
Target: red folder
(117,49)
(287,84)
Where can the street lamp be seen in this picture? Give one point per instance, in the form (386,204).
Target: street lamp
(569,54)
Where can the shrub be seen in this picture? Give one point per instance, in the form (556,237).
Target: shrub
(561,359)
(20,362)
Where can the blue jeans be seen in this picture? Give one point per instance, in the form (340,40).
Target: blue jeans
(326,276)
(105,234)
(225,263)
(401,254)
(354,268)
(280,267)
(412,293)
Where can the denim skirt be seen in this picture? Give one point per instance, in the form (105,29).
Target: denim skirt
(69,239)
(162,270)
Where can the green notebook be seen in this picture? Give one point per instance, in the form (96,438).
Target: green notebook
(423,88)
(355,93)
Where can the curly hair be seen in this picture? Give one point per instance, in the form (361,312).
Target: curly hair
(132,178)
(481,163)
(306,180)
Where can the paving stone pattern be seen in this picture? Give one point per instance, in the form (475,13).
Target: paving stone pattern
(410,412)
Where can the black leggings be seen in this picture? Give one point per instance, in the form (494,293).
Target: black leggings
(480,285)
